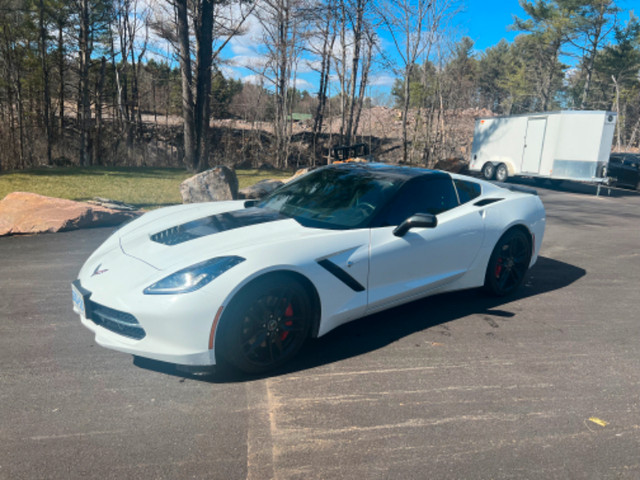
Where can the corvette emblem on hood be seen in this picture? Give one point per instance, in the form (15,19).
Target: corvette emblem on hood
(99,271)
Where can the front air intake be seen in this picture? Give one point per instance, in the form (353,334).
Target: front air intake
(116,321)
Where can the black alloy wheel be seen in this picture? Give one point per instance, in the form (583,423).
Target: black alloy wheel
(508,264)
(267,324)
(488,171)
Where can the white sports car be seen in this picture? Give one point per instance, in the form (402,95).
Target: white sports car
(246,282)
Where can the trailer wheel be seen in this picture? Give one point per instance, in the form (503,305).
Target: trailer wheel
(502,173)
(488,171)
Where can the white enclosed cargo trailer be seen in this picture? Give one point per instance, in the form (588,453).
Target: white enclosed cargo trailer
(566,145)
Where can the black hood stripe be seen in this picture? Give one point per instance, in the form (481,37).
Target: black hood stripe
(215,224)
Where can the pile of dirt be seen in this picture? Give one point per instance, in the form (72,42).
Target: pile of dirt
(245,144)
(380,127)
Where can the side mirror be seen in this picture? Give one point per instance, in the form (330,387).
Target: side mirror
(419,220)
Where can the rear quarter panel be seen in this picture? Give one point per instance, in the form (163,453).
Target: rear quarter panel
(516,209)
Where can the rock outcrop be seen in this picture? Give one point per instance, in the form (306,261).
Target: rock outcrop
(23,213)
(218,183)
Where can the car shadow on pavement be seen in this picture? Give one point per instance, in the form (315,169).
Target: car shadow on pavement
(375,331)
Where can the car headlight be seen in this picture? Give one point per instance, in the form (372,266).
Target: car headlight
(194,277)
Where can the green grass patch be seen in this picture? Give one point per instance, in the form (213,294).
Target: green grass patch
(144,187)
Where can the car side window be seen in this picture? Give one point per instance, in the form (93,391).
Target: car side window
(467,190)
(420,195)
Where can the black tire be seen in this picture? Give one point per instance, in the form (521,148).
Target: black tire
(502,173)
(488,171)
(508,264)
(266,324)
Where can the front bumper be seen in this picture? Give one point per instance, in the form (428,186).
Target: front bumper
(172,328)
(116,321)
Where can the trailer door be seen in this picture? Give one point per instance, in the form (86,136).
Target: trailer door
(533,143)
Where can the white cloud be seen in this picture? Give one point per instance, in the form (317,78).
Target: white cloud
(303,67)
(251,62)
(251,39)
(312,65)
(256,79)
(228,72)
(241,49)
(302,84)
(382,80)
(253,79)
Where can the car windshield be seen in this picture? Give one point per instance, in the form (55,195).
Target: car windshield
(338,198)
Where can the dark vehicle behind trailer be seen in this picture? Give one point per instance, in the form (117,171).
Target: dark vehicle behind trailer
(624,170)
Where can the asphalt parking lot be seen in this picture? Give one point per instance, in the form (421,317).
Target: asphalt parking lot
(545,385)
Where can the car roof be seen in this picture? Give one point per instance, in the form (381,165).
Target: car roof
(384,170)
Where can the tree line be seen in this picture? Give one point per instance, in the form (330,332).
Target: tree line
(102,82)
(570,54)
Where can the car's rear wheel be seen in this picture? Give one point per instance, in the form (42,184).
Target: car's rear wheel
(488,171)
(502,173)
(266,324)
(508,264)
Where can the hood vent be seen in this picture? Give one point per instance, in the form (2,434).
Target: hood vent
(215,224)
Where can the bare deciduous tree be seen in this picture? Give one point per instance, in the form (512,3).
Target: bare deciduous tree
(205,22)
(409,23)
(321,45)
(283,23)
(353,61)
(46,88)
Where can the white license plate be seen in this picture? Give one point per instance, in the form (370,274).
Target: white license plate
(78,301)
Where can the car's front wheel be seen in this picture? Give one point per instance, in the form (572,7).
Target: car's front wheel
(266,324)
(508,264)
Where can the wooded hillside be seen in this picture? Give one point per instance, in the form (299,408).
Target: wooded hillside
(132,83)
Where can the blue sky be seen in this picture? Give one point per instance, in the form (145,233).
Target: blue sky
(487,22)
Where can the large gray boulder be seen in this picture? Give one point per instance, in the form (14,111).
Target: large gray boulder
(218,183)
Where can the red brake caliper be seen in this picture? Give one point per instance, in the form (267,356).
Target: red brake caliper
(287,313)
(499,267)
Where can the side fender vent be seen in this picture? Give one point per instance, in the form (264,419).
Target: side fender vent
(487,201)
(341,275)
